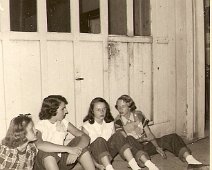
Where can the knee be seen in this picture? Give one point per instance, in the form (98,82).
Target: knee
(130,138)
(100,140)
(119,135)
(50,163)
(174,136)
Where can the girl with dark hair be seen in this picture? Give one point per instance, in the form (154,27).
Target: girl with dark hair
(133,124)
(17,150)
(53,128)
(105,142)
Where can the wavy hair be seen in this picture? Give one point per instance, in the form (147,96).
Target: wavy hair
(90,116)
(50,105)
(16,133)
(127,99)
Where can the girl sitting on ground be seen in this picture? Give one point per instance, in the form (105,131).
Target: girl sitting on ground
(133,124)
(53,128)
(105,142)
(18,150)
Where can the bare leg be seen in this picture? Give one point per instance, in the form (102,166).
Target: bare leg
(86,161)
(105,161)
(128,154)
(50,163)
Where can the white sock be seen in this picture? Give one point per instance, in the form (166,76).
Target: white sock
(109,167)
(149,164)
(191,160)
(133,164)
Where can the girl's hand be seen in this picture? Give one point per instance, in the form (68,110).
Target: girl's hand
(74,153)
(161,152)
(74,150)
(71,158)
(100,167)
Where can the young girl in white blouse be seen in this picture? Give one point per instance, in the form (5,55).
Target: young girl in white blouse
(105,142)
(53,127)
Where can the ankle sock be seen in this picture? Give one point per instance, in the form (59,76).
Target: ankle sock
(191,160)
(149,164)
(109,167)
(133,164)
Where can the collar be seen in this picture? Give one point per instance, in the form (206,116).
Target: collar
(125,120)
(97,124)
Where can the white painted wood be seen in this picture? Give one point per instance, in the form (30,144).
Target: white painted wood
(61,73)
(172,65)
(118,72)
(190,69)
(43,63)
(130,29)
(163,65)
(143,39)
(104,33)
(161,18)
(22,79)
(5,17)
(181,70)
(141,77)
(161,87)
(91,71)
(2,96)
(200,67)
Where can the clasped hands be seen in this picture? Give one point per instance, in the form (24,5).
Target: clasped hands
(74,153)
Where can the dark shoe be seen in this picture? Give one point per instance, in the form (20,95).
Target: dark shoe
(194,166)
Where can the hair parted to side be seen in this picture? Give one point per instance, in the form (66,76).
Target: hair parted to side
(127,99)
(50,105)
(16,133)
(90,116)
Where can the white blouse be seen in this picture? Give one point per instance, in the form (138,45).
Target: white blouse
(104,130)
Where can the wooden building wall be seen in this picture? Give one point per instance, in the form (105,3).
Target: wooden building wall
(153,69)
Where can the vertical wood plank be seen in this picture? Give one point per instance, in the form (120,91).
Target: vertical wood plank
(42,30)
(130,30)
(141,78)
(172,64)
(181,77)
(104,32)
(3,125)
(200,67)
(61,73)
(190,69)
(118,72)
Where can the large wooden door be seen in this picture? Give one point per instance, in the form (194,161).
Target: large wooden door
(89,77)
(144,68)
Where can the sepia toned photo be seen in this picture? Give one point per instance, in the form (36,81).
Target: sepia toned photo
(105,84)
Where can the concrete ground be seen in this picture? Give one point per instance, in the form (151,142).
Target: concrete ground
(200,150)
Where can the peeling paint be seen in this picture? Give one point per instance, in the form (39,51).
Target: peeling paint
(112,50)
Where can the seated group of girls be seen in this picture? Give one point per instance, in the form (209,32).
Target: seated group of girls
(41,146)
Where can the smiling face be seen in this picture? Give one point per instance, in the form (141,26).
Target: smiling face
(122,108)
(99,111)
(61,112)
(31,132)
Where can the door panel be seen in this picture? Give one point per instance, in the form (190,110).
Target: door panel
(88,76)
(141,77)
(118,72)
(22,78)
(130,73)
(2,93)
(60,73)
